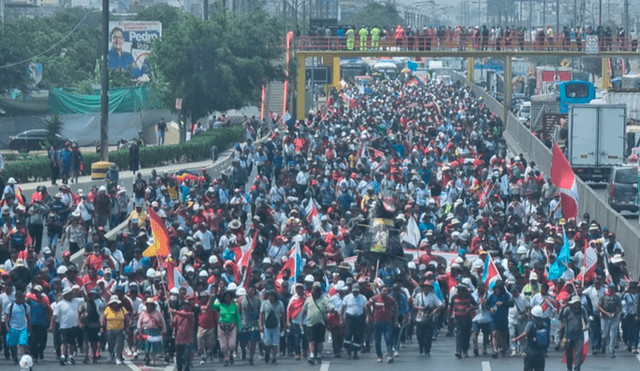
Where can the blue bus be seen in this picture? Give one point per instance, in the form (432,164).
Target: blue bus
(574,92)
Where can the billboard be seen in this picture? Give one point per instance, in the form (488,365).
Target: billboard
(131,44)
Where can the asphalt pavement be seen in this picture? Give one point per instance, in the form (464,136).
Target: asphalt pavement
(601,190)
(442,359)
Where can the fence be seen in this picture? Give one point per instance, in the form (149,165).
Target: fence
(520,140)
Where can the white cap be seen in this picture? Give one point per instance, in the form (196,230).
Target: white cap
(309,278)
(174,290)
(203,273)
(61,269)
(411,265)
(11,180)
(151,273)
(232,287)
(536,311)
(213,259)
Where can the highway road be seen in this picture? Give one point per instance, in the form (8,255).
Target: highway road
(601,191)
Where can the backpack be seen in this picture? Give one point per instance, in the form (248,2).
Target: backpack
(541,336)
(271,321)
(24,308)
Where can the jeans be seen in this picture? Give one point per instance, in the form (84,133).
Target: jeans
(35,231)
(161,135)
(115,339)
(424,333)
(595,334)
(515,329)
(463,334)
(295,337)
(183,357)
(386,329)
(610,329)
(630,330)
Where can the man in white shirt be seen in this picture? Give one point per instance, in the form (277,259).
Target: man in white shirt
(66,313)
(353,317)
(428,305)
(337,301)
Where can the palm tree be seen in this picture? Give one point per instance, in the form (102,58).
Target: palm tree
(54,127)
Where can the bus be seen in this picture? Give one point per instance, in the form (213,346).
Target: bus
(574,92)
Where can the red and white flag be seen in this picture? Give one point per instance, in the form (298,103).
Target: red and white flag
(175,278)
(589,265)
(562,176)
(246,261)
(584,350)
(491,273)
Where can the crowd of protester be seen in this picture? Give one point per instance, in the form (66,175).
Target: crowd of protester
(228,291)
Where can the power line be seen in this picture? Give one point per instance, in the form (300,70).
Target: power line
(51,47)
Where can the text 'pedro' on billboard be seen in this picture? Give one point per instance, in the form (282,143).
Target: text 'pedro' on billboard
(131,44)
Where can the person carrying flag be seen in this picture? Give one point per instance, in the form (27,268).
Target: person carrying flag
(573,322)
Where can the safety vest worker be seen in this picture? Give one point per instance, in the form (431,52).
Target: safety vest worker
(351,38)
(375,37)
(363,38)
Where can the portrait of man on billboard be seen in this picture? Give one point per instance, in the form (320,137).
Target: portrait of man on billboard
(119,59)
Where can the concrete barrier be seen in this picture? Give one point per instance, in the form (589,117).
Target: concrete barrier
(520,140)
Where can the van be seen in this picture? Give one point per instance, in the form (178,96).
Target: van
(524,112)
(622,190)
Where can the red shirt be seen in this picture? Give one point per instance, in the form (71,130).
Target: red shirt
(182,325)
(382,308)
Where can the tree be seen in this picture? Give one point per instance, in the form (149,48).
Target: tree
(54,127)
(166,14)
(216,65)
(376,14)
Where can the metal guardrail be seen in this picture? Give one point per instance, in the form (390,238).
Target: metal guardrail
(520,140)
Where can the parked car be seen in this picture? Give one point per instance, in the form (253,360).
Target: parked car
(622,190)
(33,140)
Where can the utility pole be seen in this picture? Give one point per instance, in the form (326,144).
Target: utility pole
(626,19)
(599,12)
(544,13)
(205,10)
(557,33)
(104,98)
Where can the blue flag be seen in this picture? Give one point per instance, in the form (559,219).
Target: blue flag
(557,269)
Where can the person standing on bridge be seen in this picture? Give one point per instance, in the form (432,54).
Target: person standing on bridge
(549,37)
(351,38)
(364,33)
(399,36)
(375,38)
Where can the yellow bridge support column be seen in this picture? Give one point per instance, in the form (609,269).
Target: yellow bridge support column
(300,88)
(333,62)
(606,78)
(470,68)
(508,89)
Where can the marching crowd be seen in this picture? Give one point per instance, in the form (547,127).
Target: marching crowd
(272,265)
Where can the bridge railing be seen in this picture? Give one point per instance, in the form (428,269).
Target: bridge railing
(458,43)
(521,140)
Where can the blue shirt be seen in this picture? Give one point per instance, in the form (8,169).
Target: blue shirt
(17,315)
(38,314)
(124,62)
(501,315)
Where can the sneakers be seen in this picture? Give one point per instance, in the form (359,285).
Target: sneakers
(311,361)
(514,353)
(379,359)
(202,362)
(475,352)
(395,353)
(389,358)
(62,361)
(118,361)
(251,361)
(458,355)
(355,355)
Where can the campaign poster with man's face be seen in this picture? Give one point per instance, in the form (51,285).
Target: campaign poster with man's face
(131,44)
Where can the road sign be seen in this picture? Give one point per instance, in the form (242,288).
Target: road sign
(565,63)
(178,104)
(591,43)
(317,75)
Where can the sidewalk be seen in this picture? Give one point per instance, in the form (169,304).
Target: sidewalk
(126,176)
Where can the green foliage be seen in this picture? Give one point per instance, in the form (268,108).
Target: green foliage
(382,15)
(66,64)
(166,14)
(197,149)
(54,126)
(217,65)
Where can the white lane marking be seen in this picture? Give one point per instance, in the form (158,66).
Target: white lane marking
(136,368)
(325,366)
(638,357)
(486,366)
(131,365)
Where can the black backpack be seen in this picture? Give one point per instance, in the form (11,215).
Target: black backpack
(271,321)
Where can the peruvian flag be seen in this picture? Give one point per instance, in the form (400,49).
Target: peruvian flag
(562,176)
(490,274)
(362,149)
(588,271)
(175,278)
(247,262)
(313,216)
(293,264)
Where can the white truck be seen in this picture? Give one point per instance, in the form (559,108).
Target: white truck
(596,139)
